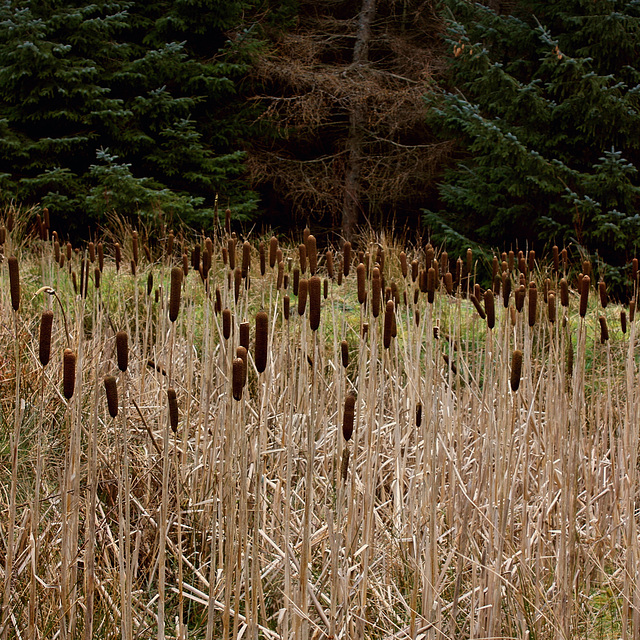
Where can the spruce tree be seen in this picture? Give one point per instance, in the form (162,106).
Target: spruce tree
(123,105)
(544,104)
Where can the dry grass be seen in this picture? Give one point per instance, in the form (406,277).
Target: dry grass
(344,489)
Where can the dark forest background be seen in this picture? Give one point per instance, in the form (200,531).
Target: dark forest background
(484,124)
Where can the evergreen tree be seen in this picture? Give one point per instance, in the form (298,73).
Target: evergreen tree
(544,103)
(123,105)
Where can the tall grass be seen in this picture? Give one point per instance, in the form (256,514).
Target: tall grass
(407,456)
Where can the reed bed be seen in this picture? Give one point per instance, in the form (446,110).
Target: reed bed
(402,455)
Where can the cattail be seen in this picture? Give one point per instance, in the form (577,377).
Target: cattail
(361,278)
(170,241)
(70,250)
(156,294)
(604,329)
(344,466)
(231,253)
(175,293)
(302,252)
(346,263)
(174,416)
(602,288)
(522,265)
(96,277)
(133,268)
(340,275)
(469,260)
(414,269)
(312,254)
(506,288)
(403,264)
(280,258)
(226,323)
(347,418)
(513,315)
(564,292)
(147,253)
(206,263)
(44,350)
(134,242)
(623,321)
(564,256)
(45,213)
(246,258)
(344,348)
(111,390)
(417,317)
(227,221)
(245,329)
(556,258)
(237,282)
(584,295)
(262,342)
(273,247)
(325,288)
(448,282)
(280,281)
(303,286)
(532,260)
(237,379)
(376,292)
(429,254)
(516,369)
(431,285)
(551,307)
(388,323)
(122,350)
(586,268)
(68,373)
(14,282)
(296,280)
(329,262)
(10,222)
(365,330)
(477,305)
(497,281)
(444,262)
(490,309)
(74,281)
(314,301)
(195,257)
(100,248)
(225,256)
(92,252)
(519,297)
(533,303)
(286,307)
(263,258)
(218,303)
(634,270)
(185,264)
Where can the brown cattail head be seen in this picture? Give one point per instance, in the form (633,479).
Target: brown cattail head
(185,264)
(389,313)
(226,323)
(68,373)
(477,305)
(286,307)
(296,280)
(348,416)
(246,258)
(551,306)
(623,321)
(96,277)
(303,287)
(415,269)
(315,285)
(147,253)
(376,292)
(344,348)
(262,340)
(346,263)
(75,282)
(14,282)
(325,288)
(586,267)
(175,293)
(431,285)
(133,267)
(231,253)
(516,369)
(70,250)
(584,295)
(604,329)
(533,303)
(602,289)
(44,350)
(361,276)
(469,260)
(206,263)
(404,267)
(263,258)
(302,252)
(329,262)
(490,308)
(245,329)
(134,244)
(195,257)
(100,248)
(506,288)
(92,252)
(280,280)
(237,282)
(497,282)
(312,253)
(111,390)
(237,378)
(122,350)
(448,282)
(174,415)
(218,303)
(564,292)
(556,258)
(532,260)
(418,414)
(520,295)
(273,247)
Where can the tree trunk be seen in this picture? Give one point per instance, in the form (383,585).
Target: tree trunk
(352,203)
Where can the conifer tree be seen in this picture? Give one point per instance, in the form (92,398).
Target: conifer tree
(544,103)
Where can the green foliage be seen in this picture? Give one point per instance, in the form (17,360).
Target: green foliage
(123,105)
(545,106)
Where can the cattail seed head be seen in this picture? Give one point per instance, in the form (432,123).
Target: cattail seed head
(280,280)
(122,350)
(564,292)
(348,416)
(14,282)
(286,307)
(551,306)
(133,267)
(477,305)
(185,265)
(389,314)
(329,262)
(312,254)
(448,282)
(533,303)
(623,321)
(206,263)
(231,253)
(302,252)
(556,258)
(263,258)
(634,270)
(237,282)
(174,415)
(604,329)
(346,263)
(262,340)
(506,288)
(175,293)
(245,329)
(195,257)
(111,390)
(92,252)
(516,369)
(586,267)
(246,258)
(96,277)
(218,303)
(325,288)
(237,378)
(100,248)
(296,280)
(415,267)
(344,466)
(75,282)
(344,348)
(490,309)
(431,285)
(520,296)
(273,247)
(134,243)
(584,295)
(376,292)
(602,289)
(70,250)
(403,264)
(226,323)
(68,373)
(44,349)
(361,278)
(303,287)
(532,260)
